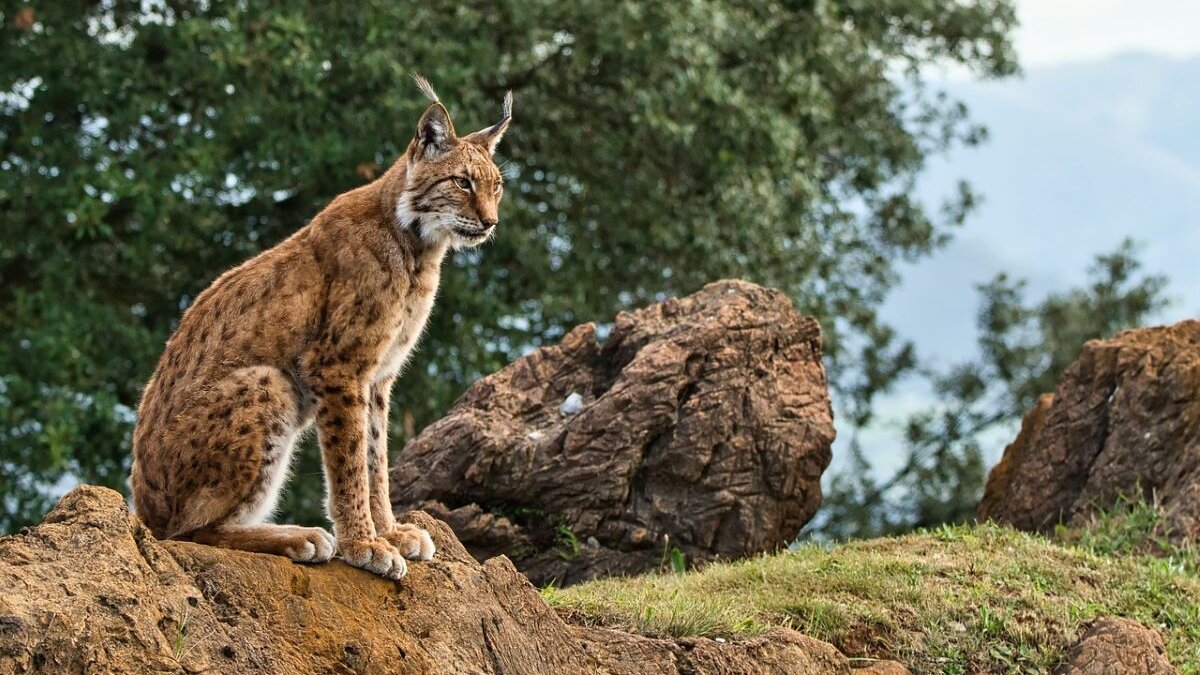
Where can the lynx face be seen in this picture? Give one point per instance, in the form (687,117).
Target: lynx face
(453,188)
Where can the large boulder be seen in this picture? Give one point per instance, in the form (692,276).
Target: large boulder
(1125,421)
(91,591)
(701,423)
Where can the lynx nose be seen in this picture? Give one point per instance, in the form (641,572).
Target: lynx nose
(488,223)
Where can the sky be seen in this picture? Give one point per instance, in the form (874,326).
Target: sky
(1057,32)
(1091,145)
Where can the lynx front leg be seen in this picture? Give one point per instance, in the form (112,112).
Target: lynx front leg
(413,542)
(342,424)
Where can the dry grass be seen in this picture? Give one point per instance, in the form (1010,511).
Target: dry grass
(965,599)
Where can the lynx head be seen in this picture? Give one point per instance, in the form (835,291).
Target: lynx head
(452,187)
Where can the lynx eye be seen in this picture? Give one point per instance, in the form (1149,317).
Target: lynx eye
(462,183)
(499,187)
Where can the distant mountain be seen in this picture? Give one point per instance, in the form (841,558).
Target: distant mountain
(1079,157)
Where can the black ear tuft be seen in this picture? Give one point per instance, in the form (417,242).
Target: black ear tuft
(435,132)
(490,137)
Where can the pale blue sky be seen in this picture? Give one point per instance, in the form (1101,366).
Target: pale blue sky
(1095,143)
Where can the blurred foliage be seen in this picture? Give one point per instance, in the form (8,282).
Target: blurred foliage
(147,146)
(1023,349)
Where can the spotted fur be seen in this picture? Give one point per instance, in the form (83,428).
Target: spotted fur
(315,329)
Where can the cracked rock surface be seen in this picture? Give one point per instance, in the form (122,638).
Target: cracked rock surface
(701,422)
(1116,646)
(91,591)
(1125,420)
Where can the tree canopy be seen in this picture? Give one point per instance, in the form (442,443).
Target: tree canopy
(147,146)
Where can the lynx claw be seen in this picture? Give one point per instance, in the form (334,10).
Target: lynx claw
(374,555)
(413,542)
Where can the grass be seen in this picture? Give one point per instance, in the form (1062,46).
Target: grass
(182,641)
(960,599)
(1134,527)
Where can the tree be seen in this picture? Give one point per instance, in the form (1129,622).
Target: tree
(1023,349)
(147,146)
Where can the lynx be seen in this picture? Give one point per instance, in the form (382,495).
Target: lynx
(315,329)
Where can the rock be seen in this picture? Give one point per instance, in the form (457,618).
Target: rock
(572,406)
(1125,420)
(90,590)
(1115,646)
(701,423)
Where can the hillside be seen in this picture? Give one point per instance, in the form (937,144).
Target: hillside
(967,599)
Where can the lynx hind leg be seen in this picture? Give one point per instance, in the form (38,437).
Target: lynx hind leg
(302,544)
(412,542)
(236,447)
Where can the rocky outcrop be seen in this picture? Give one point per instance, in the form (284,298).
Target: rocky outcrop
(1120,647)
(1125,420)
(701,423)
(90,590)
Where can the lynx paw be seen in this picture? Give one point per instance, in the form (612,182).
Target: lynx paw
(413,542)
(374,555)
(313,545)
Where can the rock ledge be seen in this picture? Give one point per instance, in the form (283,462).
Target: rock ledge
(90,590)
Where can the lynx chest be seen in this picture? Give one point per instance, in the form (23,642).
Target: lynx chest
(410,316)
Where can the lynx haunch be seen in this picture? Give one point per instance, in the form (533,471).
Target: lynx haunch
(316,328)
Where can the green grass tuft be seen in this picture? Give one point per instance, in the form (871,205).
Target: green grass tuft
(1134,527)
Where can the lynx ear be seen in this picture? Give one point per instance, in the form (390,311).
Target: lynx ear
(490,137)
(435,132)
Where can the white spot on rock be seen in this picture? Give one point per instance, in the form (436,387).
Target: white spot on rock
(573,405)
